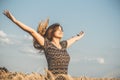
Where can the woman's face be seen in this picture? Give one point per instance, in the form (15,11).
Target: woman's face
(58,33)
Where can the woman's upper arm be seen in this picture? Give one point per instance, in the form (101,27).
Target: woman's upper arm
(75,38)
(69,42)
(64,43)
(72,40)
(37,37)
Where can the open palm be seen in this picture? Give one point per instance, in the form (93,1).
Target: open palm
(9,15)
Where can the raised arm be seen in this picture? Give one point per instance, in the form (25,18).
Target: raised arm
(74,39)
(26,28)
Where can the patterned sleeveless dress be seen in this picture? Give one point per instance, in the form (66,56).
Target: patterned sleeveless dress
(57,59)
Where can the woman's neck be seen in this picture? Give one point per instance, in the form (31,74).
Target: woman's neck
(56,42)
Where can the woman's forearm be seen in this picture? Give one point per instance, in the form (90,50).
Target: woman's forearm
(31,31)
(23,26)
(74,39)
(14,20)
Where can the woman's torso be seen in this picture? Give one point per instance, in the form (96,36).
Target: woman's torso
(58,59)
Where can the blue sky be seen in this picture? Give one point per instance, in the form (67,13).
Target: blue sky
(95,55)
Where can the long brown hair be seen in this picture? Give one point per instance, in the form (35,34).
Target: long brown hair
(48,35)
(51,30)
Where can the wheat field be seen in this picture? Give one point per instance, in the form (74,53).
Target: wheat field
(6,75)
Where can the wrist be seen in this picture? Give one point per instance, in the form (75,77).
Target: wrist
(15,21)
(81,33)
(78,34)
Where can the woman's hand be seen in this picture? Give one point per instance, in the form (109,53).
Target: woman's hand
(38,37)
(74,39)
(81,34)
(9,15)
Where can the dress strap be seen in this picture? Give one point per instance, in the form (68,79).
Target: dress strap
(63,44)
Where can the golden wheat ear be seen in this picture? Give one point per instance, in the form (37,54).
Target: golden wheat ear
(49,75)
(43,26)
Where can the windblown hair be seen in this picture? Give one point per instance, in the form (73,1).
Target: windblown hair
(51,30)
(48,34)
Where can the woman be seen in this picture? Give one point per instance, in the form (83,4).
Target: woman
(54,49)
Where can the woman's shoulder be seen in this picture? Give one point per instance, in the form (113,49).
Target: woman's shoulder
(46,42)
(64,43)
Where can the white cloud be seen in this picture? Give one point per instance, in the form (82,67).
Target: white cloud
(29,49)
(4,39)
(115,73)
(2,34)
(99,60)
(28,37)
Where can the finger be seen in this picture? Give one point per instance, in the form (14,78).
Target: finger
(81,32)
(5,12)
